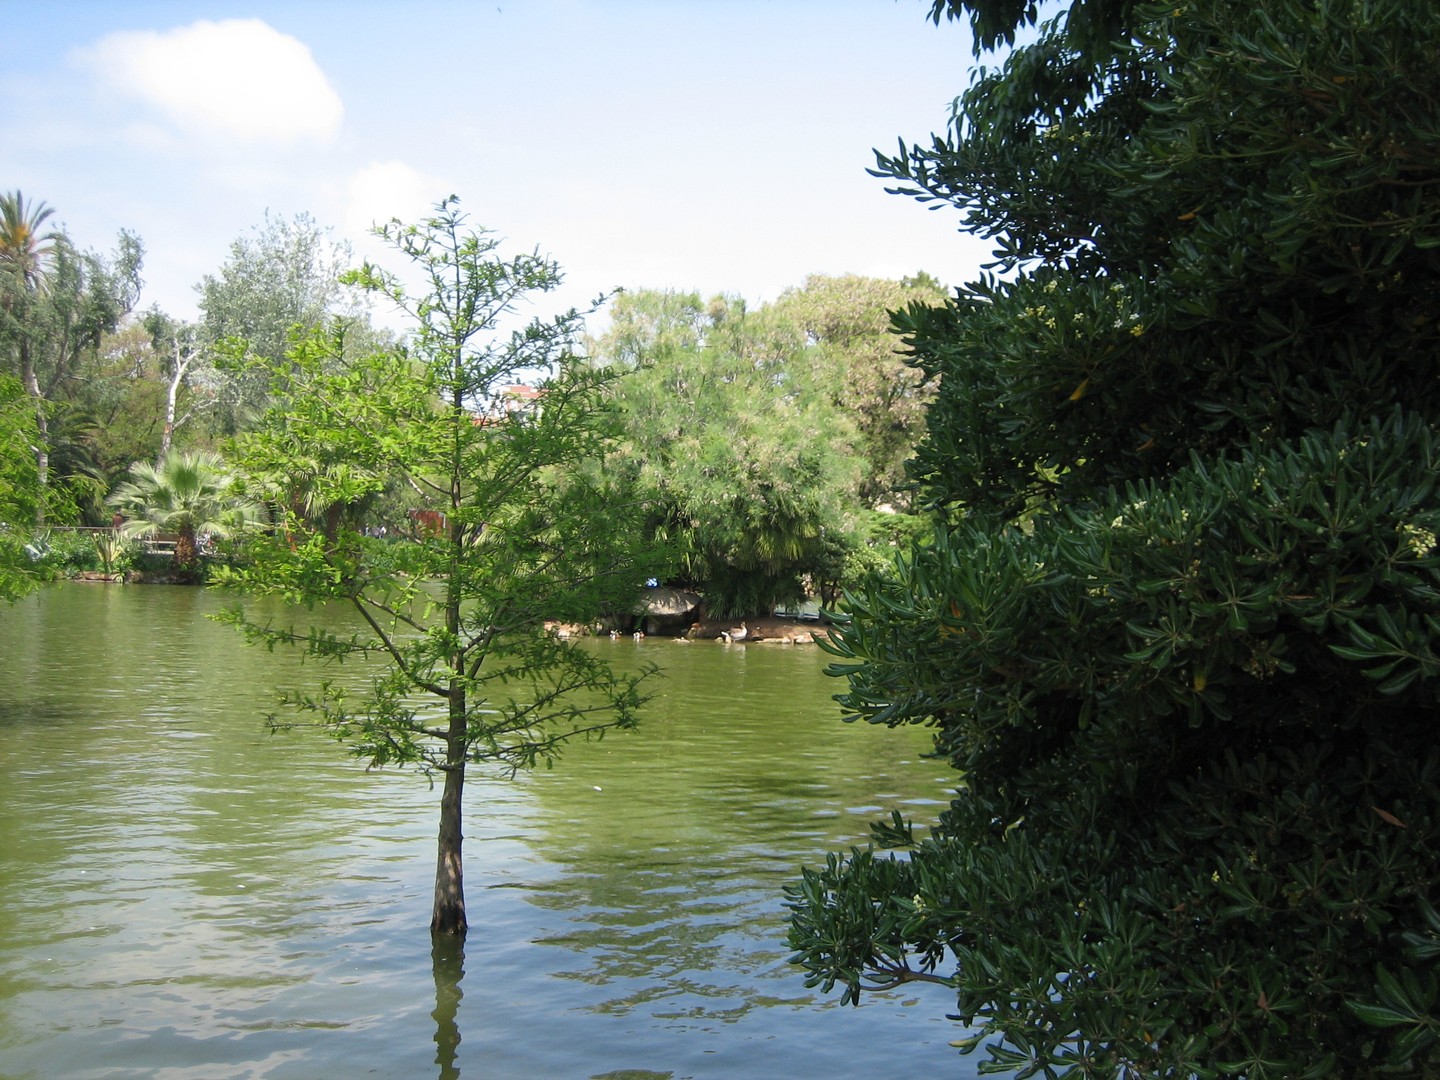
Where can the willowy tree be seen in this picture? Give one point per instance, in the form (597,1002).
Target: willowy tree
(844,323)
(524,525)
(1178,629)
(749,469)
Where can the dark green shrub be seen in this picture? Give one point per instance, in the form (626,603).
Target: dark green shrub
(1177,630)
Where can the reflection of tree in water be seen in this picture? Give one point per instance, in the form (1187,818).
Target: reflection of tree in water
(447,957)
(677,841)
(688,942)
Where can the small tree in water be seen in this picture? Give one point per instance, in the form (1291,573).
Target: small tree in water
(525,525)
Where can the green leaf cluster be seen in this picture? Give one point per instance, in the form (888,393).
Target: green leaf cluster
(57,306)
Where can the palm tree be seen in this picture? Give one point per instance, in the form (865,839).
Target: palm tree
(25,252)
(24,249)
(187,494)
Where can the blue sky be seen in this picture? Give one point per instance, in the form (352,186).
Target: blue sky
(718,146)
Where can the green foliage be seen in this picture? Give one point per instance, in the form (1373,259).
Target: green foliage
(19,485)
(846,345)
(743,464)
(42,555)
(877,537)
(114,550)
(1201,787)
(56,306)
(527,524)
(84,296)
(108,413)
(66,552)
(761,438)
(19,489)
(1177,628)
(278,284)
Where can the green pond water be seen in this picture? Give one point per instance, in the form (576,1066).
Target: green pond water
(183,895)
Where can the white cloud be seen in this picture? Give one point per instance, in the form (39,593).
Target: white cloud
(235,79)
(388,189)
(375,194)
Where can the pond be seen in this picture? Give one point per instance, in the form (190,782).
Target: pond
(183,895)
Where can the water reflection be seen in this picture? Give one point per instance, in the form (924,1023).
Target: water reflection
(447,959)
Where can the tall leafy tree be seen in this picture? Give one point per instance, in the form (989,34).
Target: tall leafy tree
(850,347)
(526,525)
(278,282)
(749,469)
(1177,627)
(125,399)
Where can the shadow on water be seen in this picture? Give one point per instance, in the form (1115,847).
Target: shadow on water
(447,957)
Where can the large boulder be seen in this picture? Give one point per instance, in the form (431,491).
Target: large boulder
(669,611)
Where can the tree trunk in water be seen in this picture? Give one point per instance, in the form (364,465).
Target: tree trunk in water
(447,961)
(448,914)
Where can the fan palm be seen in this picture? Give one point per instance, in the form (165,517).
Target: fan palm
(187,495)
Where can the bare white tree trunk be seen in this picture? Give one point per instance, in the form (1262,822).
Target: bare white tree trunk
(177,376)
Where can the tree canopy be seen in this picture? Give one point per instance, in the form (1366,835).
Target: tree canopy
(744,467)
(1177,625)
(762,438)
(847,347)
(279,281)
